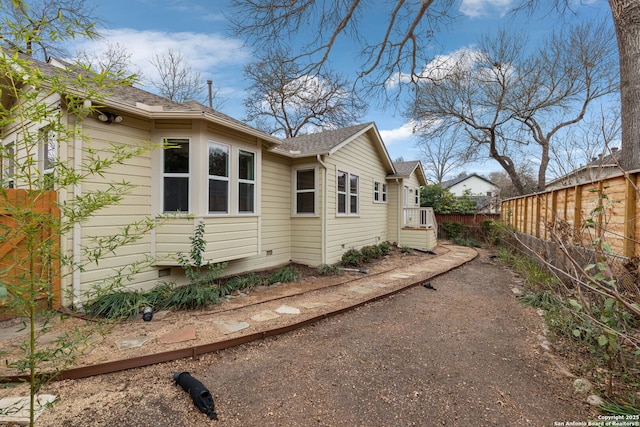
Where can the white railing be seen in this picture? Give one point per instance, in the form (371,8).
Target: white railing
(419,218)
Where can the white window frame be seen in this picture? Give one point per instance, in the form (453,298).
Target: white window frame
(187,175)
(253,182)
(379,192)
(9,165)
(417,196)
(296,191)
(221,178)
(348,193)
(47,153)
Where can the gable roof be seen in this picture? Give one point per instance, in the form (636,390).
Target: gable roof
(329,141)
(405,169)
(324,142)
(136,101)
(450,183)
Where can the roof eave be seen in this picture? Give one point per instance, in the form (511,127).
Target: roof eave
(159,115)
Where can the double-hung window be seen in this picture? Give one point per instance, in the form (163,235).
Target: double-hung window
(48,148)
(305,191)
(348,193)
(246,181)
(8,166)
(379,192)
(176,176)
(417,197)
(219,156)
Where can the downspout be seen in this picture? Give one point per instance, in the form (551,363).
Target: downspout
(77,226)
(324,213)
(400,211)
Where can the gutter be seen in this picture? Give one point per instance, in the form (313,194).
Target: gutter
(153,112)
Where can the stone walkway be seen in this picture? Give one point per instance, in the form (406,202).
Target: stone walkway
(168,331)
(297,308)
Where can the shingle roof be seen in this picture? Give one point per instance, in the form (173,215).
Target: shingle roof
(404,169)
(136,99)
(321,142)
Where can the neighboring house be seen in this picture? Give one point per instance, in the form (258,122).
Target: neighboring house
(599,168)
(264,202)
(479,188)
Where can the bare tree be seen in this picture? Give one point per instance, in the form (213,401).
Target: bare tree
(586,142)
(505,100)
(38,27)
(115,60)
(283,101)
(396,49)
(444,154)
(176,79)
(506,187)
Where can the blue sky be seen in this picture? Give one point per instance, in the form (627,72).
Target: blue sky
(199,30)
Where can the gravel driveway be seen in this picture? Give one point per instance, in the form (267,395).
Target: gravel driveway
(465,354)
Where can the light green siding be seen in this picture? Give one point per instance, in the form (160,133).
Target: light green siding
(360,157)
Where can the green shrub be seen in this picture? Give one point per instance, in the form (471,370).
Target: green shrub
(453,229)
(385,248)
(405,249)
(328,270)
(352,258)
(158,297)
(544,300)
(465,242)
(284,275)
(193,296)
(370,252)
(119,304)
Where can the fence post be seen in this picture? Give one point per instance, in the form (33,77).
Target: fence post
(577,217)
(631,195)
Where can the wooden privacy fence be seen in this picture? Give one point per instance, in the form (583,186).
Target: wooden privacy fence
(606,210)
(29,245)
(470,220)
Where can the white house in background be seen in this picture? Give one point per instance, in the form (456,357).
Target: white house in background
(479,188)
(264,202)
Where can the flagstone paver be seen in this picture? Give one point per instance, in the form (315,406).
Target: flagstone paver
(231,326)
(15,410)
(132,342)
(312,304)
(187,333)
(285,309)
(360,289)
(264,316)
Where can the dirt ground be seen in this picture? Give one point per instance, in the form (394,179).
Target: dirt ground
(466,354)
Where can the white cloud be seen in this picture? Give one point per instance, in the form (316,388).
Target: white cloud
(205,52)
(479,8)
(403,134)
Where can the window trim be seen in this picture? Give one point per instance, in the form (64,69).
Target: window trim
(380,192)
(221,178)
(166,140)
(294,180)
(46,139)
(9,165)
(347,193)
(253,182)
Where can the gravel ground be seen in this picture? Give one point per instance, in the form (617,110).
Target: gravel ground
(466,354)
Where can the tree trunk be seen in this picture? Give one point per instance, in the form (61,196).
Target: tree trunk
(626,19)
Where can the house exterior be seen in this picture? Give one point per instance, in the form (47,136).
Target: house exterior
(599,168)
(264,202)
(479,188)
